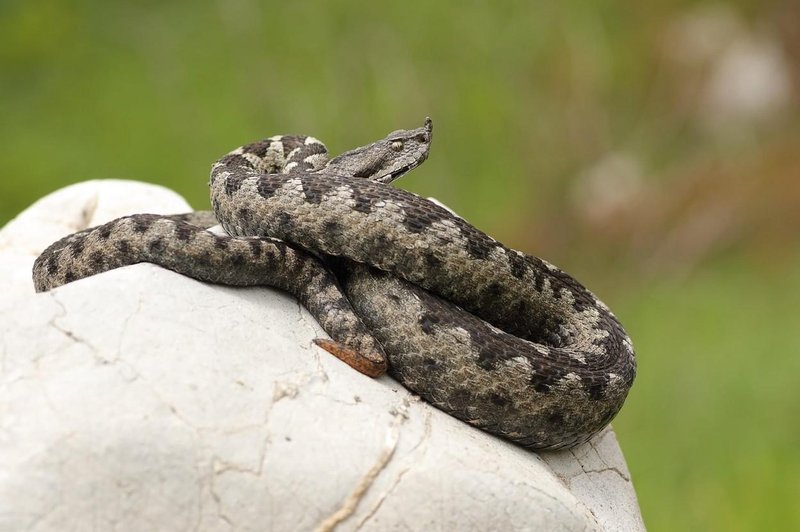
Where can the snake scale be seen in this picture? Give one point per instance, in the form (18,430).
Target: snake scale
(499,339)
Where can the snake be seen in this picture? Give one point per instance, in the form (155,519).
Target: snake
(500,339)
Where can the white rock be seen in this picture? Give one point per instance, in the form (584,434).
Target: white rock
(143,400)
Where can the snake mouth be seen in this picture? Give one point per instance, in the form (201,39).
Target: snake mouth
(388,178)
(391,176)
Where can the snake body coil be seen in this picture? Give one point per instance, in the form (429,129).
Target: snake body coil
(502,340)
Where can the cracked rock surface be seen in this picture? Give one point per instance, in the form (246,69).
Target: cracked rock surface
(143,400)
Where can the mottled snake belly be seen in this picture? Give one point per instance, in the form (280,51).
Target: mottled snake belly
(499,339)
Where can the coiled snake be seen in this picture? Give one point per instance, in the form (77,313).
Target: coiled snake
(386,271)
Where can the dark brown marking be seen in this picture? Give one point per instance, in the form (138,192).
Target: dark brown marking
(123,246)
(543,381)
(52,265)
(284,222)
(234,160)
(431,260)
(430,363)
(315,188)
(478,249)
(427,321)
(494,290)
(363,201)
(156,246)
(266,186)
(97,260)
(415,224)
(487,356)
(517,263)
(290,142)
(332,227)
(499,400)
(234,182)
(183,232)
(258,148)
(141,224)
(538,282)
(76,248)
(255,247)
(596,386)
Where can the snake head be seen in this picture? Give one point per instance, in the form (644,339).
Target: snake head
(387,159)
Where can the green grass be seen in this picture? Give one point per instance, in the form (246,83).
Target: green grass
(524,96)
(710,430)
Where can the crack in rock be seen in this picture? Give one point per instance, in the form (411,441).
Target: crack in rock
(66,332)
(598,456)
(400,415)
(399,477)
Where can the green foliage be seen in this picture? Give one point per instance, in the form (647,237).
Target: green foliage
(710,430)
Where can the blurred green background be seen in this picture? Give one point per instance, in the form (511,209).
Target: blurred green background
(651,149)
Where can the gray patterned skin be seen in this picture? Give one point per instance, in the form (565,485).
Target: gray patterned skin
(549,367)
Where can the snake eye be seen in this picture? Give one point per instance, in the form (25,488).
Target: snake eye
(397,145)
